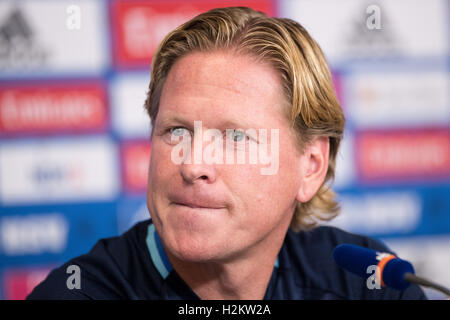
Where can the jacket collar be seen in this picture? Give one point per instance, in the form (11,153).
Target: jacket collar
(158,255)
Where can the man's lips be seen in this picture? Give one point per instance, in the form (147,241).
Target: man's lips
(197,204)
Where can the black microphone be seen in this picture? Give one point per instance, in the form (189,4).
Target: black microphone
(391,271)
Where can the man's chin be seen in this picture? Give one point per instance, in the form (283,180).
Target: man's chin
(196,249)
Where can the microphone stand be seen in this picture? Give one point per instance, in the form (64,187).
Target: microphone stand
(412,278)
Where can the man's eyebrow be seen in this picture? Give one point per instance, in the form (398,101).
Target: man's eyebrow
(240,124)
(174,118)
(171,119)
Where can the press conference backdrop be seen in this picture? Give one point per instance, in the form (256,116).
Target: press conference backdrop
(74,136)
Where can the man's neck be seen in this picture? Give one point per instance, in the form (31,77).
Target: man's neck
(235,280)
(246,277)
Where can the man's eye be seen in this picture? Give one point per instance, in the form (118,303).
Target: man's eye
(237,135)
(179,131)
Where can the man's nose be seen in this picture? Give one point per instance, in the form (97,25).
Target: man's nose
(198,169)
(193,173)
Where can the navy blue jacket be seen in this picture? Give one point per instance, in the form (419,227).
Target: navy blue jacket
(134,266)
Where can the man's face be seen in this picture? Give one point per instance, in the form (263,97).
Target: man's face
(214,212)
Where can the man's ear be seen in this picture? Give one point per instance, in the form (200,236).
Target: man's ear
(314,167)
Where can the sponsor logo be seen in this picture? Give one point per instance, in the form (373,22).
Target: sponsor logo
(380,213)
(33,234)
(38,38)
(19,44)
(382,255)
(135,163)
(141,26)
(51,175)
(64,170)
(365,37)
(52,108)
(404,155)
(18,283)
(380,100)
(363,31)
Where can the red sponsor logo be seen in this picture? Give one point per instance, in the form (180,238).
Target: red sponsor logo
(19,283)
(52,108)
(135,163)
(140,26)
(410,155)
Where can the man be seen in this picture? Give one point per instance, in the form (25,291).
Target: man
(224,228)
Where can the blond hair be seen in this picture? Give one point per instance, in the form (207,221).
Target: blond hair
(314,108)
